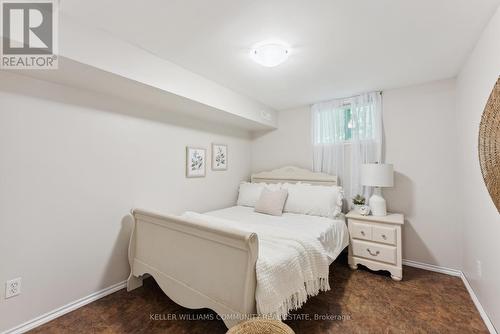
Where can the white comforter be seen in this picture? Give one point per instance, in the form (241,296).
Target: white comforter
(294,254)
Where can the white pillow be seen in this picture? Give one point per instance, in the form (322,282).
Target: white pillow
(306,199)
(249,193)
(271,202)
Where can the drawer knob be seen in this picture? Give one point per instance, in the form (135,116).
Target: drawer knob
(362,232)
(371,253)
(384,236)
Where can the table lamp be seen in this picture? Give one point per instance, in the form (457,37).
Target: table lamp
(378,176)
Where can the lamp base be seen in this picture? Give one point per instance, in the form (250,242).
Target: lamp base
(377,203)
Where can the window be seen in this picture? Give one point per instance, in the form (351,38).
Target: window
(343,123)
(347,133)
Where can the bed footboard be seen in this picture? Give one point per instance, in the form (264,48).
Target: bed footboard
(197,264)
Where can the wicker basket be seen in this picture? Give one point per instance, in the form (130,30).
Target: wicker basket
(261,326)
(489,145)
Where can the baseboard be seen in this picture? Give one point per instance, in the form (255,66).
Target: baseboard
(458,273)
(65,309)
(431,267)
(479,307)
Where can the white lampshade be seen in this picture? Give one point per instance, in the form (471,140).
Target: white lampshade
(377,175)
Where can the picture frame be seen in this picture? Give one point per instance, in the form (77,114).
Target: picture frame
(196,161)
(219,157)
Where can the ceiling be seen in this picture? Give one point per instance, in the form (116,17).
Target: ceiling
(338,47)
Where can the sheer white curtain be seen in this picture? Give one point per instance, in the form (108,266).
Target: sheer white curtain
(347,133)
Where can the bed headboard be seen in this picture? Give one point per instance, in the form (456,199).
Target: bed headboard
(292,174)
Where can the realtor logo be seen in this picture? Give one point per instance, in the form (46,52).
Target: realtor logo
(29,34)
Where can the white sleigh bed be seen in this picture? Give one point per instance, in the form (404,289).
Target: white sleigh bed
(202,265)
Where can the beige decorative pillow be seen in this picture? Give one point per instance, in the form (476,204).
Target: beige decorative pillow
(271,202)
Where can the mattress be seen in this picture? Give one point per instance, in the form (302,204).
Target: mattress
(332,233)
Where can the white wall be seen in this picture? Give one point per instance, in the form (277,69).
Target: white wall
(481,220)
(72,164)
(290,144)
(419,128)
(419,124)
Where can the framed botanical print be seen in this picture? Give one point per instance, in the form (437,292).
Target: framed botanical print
(195,162)
(219,157)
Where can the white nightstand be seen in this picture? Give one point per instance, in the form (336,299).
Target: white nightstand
(375,242)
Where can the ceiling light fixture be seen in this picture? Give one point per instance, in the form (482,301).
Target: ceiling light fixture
(270,54)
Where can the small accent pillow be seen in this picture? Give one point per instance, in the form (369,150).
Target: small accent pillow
(271,202)
(249,193)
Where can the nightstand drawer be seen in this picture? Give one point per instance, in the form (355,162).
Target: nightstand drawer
(386,235)
(360,230)
(375,252)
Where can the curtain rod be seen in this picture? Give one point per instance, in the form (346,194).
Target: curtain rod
(349,97)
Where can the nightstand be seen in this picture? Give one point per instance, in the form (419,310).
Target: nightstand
(375,242)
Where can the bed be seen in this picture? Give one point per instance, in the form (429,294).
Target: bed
(209,260)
